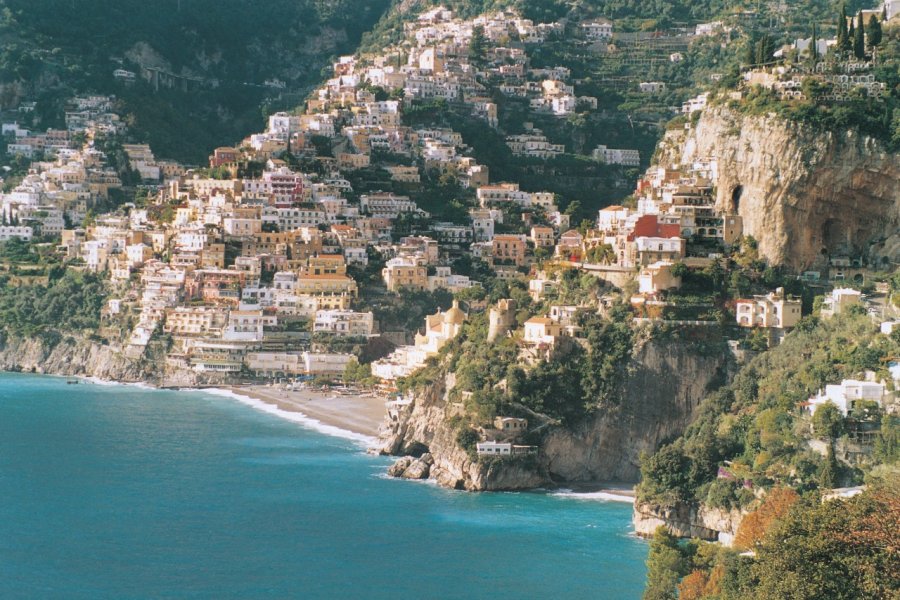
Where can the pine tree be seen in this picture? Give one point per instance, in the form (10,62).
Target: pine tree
(874,37)
(859,38)
(843,39)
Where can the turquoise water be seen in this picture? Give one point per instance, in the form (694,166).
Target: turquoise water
(120,492)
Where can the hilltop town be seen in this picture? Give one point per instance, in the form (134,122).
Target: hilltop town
(318,248)
(269,259)
(468,222)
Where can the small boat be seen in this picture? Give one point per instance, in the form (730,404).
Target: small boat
(72,382)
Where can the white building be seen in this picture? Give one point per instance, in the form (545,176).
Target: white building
(444,279)
(696,103)
(8,232)
(502,449)
(847,394)
(840,300)
(597,29)
(344,322)
(651,87)
(617,156)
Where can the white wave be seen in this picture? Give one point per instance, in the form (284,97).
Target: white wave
(383,474)
(296,417)
(110,382)
(602,496)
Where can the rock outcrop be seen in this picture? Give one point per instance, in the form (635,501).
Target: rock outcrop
(424,430)
(72,355)
(803,194)
(664,384)
(690,521)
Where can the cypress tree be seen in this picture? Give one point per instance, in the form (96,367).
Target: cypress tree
(750,52)
(851,35)
(765,47)
(828,472)
(874,37)
(477,45)
(813,47)
(859,37)
(843,40)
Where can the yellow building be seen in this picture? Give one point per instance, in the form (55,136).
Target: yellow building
(405,272)
(773,310)
(326,285)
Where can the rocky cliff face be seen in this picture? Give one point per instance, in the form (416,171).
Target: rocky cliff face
(70,356)
(711,524)
(79,356)
(424,429)
(664,384)
(802,193)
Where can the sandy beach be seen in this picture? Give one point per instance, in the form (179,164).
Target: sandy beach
(359,412)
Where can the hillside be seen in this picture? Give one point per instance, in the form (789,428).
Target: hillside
(223,53)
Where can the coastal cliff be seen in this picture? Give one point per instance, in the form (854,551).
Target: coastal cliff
(804,194)
(663,385)
(689,521)
(423,434)
(74,355)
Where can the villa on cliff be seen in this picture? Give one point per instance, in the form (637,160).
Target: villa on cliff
(440,328)
(773,311)
(846,395)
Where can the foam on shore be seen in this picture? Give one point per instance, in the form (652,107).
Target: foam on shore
(604,496)
(109,382)
(296,417)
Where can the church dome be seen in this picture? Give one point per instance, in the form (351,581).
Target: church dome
(454,315)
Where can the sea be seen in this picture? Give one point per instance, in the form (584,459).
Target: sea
(121,492)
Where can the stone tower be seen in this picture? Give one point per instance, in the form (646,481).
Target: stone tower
(502,318)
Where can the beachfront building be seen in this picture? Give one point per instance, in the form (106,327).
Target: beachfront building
(323,363)
(274,364)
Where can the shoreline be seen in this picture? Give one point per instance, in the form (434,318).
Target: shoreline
(353,416)
(611,493)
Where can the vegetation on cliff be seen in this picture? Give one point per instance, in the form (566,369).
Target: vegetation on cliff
(495,378)
(68,303)
(757,430)
(878,118)
(808,549)
(55,48)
